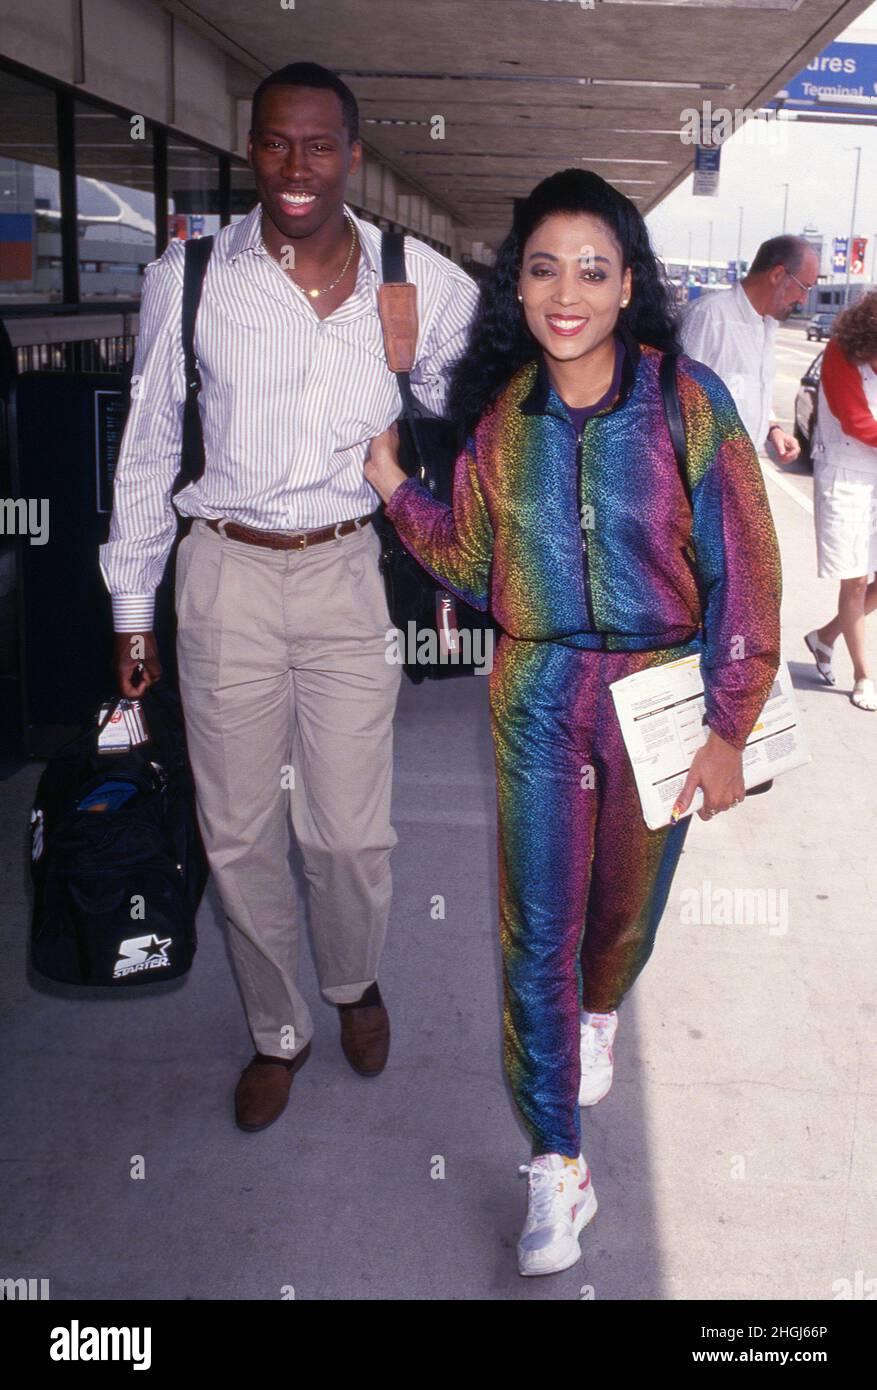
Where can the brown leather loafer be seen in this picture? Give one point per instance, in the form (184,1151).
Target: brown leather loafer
(365,1034)
(263,1089)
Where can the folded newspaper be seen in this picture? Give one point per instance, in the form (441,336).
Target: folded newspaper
(660,711)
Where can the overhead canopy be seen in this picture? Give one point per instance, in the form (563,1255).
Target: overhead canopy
(524,87)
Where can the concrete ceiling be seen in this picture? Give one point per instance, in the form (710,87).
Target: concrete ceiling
(529,86)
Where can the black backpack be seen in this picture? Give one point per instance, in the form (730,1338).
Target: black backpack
(420,608)
(117,887)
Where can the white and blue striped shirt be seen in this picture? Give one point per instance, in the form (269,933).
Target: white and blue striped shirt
(288,402)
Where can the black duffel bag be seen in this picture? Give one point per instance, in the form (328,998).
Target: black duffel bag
(117,887)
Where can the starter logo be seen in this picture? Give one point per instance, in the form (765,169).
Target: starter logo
(141,953)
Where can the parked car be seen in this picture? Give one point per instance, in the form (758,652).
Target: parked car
(805,407)
(819,327)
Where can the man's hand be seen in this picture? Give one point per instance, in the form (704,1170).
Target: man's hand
(786,446)
(133,652)
(382,463)
(717,768)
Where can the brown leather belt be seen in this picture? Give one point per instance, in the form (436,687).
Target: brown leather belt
(279,540)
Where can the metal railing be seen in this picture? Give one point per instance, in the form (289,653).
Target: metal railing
(77,355)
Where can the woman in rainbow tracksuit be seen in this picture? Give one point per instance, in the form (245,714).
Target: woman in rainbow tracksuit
(571,522)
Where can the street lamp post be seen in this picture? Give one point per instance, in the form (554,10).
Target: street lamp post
(785,206)
(709,255)
(739,242)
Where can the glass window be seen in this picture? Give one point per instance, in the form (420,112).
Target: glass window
(30,204)
(116,209)
(193,190)
(243,190)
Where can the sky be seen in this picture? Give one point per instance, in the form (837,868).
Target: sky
(820,173)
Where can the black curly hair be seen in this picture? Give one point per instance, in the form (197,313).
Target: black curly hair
(500,341)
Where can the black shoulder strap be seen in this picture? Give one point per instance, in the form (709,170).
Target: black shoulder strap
(393,272)
(673,413)
(393,258)
(197,254)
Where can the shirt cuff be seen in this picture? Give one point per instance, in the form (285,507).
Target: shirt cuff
(133,612)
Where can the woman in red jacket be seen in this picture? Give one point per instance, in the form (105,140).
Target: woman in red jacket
(845,491)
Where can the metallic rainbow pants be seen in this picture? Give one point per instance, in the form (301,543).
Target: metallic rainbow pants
(582,881)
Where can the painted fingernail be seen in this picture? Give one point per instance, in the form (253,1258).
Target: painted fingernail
(675,813)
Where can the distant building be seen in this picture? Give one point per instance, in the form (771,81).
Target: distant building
(812,235)
(829,298)
(691,278)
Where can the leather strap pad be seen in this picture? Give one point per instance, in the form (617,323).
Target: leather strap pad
(397,306)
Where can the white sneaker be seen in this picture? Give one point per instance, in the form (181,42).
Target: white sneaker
(560,1204)
(598,1034)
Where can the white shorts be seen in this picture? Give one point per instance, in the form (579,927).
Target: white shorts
(845,515)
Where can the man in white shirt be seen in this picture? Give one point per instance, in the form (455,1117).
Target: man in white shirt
(287,692)
(734,331)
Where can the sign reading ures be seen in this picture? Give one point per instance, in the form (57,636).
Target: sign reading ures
(844,70)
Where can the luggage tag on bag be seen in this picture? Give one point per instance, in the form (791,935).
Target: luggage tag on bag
(446,624)
(113,736)
(136,722)
(121,726)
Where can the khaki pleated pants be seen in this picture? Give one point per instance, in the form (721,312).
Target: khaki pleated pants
(288,700)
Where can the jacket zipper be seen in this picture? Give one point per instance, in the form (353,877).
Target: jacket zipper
(586,573)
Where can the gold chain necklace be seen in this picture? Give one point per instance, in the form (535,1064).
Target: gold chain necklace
(315,294)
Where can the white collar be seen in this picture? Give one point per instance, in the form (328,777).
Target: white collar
(748,307)
(246,235)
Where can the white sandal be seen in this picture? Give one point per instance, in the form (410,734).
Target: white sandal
(864,696)
(823,662)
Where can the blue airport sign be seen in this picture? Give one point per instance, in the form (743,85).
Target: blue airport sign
(837,79)
(706,171)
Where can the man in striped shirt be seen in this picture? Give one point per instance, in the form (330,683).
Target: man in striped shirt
(281,614)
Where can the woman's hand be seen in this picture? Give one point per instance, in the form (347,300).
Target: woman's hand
(717,768)
(382,463)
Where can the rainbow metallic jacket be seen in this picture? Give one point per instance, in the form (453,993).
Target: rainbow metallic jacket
(591,541)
